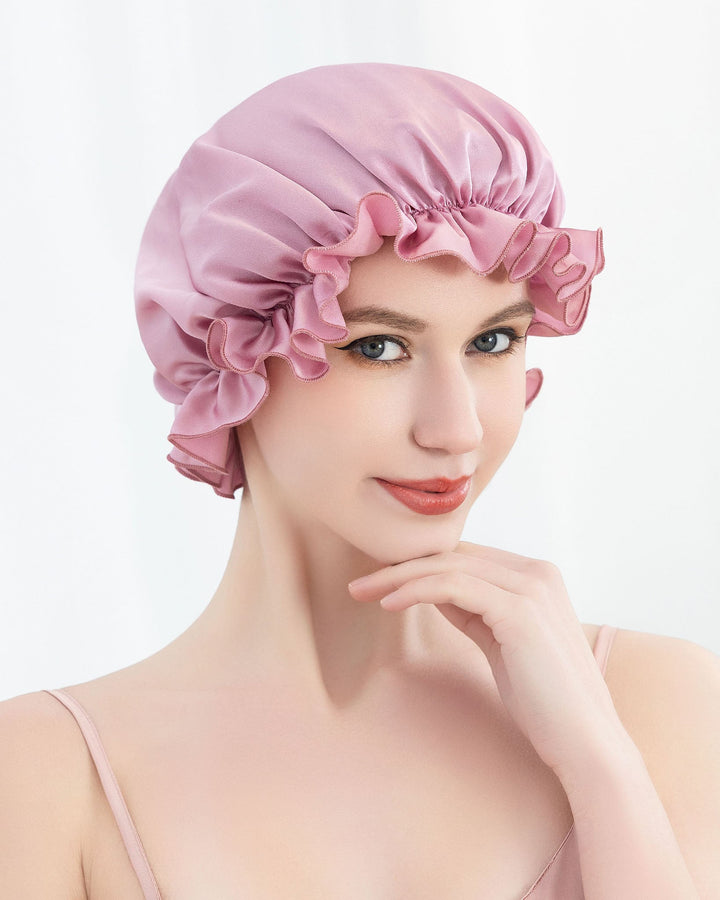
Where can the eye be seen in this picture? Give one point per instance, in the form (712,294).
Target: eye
(377,347)
(373,350)
(488,341)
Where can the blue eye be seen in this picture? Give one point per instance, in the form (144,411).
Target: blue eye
(377,347)
(377,344)
(491,341)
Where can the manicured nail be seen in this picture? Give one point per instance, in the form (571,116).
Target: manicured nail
(359,581)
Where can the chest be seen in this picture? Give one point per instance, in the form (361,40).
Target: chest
(424,800)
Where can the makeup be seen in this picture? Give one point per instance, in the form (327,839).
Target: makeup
(429,503)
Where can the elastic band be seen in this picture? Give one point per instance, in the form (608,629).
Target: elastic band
(129,833)
(130,836)
(603,645)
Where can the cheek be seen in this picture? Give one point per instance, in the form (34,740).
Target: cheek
(501,407)
(307,431)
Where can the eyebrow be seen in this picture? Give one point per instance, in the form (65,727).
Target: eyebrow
(393,319)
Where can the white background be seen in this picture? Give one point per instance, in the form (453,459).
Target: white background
(107,552)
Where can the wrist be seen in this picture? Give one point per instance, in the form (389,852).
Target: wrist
(610,757)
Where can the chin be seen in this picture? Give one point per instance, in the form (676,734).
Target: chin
(394,544)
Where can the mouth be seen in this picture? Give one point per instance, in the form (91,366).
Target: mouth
(431,485)
(435,497)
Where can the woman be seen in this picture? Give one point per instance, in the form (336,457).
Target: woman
(444,727)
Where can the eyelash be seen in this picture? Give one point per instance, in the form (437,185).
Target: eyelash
(515,341)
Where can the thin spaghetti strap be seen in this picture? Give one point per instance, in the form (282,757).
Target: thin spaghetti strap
(603,645)
(129,833)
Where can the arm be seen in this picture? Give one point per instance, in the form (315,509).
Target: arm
(42,799)
(518,612)
(647,811)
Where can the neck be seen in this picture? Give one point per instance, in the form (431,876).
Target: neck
(283,610)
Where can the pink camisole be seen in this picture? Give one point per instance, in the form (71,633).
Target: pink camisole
(560,879)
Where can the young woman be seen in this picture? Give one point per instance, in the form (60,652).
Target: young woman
(444,727)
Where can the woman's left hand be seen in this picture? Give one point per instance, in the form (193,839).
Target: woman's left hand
(518,612)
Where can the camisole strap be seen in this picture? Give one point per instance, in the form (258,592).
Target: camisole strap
(562,877)
(130,837)
(603,644)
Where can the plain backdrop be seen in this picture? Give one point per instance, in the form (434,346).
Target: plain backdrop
(107,552)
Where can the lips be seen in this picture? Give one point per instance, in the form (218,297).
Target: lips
(434,485)
(451,495)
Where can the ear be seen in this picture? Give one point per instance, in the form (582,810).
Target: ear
(533,383)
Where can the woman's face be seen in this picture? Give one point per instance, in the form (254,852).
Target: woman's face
(444,399)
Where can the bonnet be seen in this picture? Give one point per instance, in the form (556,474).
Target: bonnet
(251,238)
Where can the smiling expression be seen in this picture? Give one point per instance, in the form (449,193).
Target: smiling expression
(431,386)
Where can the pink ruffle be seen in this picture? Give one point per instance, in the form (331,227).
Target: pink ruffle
(559,264)
(237,347)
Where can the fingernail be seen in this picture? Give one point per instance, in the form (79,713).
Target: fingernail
(359,581)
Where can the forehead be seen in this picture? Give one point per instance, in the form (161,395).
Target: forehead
(427,288)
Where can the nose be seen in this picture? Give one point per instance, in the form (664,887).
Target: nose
(446,412)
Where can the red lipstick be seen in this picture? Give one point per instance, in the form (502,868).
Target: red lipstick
(432,497)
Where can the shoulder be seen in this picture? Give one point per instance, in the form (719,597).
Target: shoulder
(39,739)
(653,675)
(667,693)
(45,786)
(665,689)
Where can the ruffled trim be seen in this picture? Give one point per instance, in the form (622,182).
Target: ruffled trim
(559,264)
(237,347)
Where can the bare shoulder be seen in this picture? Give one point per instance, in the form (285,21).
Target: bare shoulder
(667,693)
(41,746)
(652,676)
(45,784)
(666,690)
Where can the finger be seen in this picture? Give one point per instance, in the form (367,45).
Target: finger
(504,557)
(382,582)
(473,626)
(477,597)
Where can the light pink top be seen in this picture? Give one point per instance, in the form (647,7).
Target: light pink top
(560,879)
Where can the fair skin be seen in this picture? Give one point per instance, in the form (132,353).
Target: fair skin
(301,739)
(447,413)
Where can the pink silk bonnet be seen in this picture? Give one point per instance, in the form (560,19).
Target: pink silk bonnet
(251,239)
